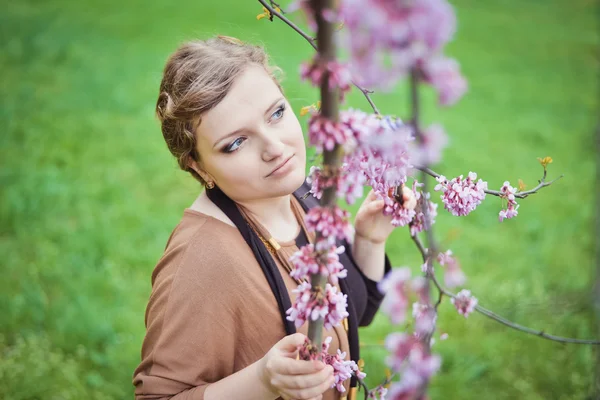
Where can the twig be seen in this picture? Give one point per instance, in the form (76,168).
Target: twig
(497,317)
(290,23)
(313,43)
(273,4)
(519,195)
(386,382)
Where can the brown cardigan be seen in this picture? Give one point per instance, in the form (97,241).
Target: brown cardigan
(212,313)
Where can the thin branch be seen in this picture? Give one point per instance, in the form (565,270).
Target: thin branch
(295,27)
(274,4)
(519,195)
(313,43)
(497,317)
(386,382)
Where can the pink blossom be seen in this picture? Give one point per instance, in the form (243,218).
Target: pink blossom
(395,286)
(444,75)
(342,368)
(402,214)
(339,75)
(405,32)
(408,357)
(453,275)
(378,393)
(464,302)
(305,263)
(331,222)
(461,196)
(323,133)
(349,182)
(399,344)
(391,143)
(419,224)
(421,288)
(432,22)
(330,305)
(425,318)
(363,125)
(420,367)
(429,152)
(508,193)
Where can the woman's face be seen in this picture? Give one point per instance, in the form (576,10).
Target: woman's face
(249,134)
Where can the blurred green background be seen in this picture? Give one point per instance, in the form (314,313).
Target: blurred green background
(89,193)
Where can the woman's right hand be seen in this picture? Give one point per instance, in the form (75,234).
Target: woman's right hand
(291,378)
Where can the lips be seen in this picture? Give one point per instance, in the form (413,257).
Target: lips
(281,165)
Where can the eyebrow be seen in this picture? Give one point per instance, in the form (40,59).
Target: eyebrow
(241,129)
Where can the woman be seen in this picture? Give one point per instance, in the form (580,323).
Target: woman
(216,326)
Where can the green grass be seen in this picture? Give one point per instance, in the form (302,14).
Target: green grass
(89,192)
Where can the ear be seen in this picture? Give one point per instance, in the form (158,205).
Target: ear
(196,167)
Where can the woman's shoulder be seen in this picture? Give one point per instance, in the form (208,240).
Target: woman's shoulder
(202,246)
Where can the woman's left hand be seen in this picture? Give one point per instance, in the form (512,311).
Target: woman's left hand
(370,223)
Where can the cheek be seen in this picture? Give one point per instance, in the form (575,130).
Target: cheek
(234,170)
(293,131)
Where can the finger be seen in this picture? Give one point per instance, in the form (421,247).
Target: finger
(374,207)
(290,343)
(308,393)
(371,196)
(303,381)
(290,366)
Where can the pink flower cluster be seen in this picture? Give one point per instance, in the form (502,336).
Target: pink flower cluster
(408,33)
(429,152)
(453,275)
(330,305)
(425,318)
(331,222)
(323,133)
(508,193)
(461,196)
(349,182)
(305,263)
(352,130)
(401,216)
(464,302)
(390,147)
(339,75)
(363,126)
(411,359)
(377,393)
(395,286)
(419,224)
(342,368)
(378,153)
(443,73)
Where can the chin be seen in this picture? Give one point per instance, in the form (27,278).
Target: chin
(289,184)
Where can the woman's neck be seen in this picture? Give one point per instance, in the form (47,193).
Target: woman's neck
(276,215)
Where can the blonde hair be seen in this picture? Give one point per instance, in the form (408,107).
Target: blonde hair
(196,78)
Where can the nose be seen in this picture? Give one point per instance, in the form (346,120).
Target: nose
(273,147)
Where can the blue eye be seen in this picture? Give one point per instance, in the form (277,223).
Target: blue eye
(279,113)
(232,147)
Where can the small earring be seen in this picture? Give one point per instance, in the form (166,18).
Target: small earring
(210,185)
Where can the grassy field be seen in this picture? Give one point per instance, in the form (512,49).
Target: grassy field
(89,192)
